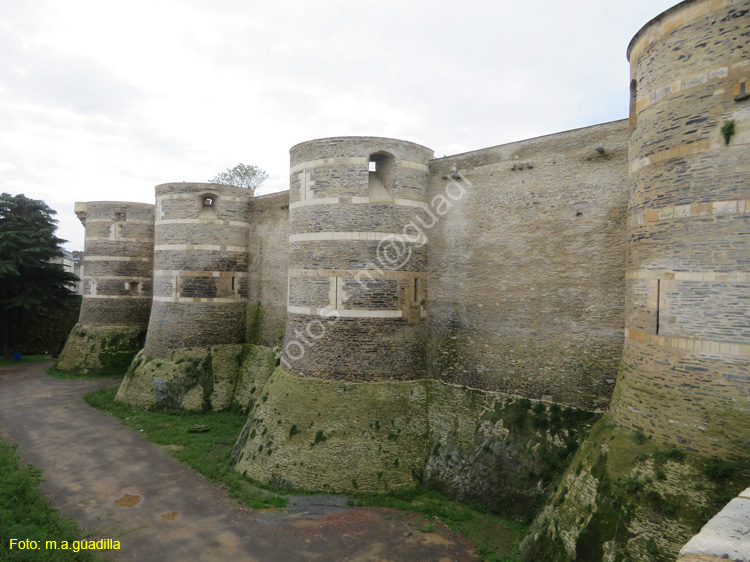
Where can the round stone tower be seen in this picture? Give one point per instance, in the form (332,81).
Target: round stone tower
(683,391)
(686,366)
(359,223)
(200,267)
(117,287)
(344,411)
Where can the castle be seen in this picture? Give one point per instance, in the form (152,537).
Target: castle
(391,319)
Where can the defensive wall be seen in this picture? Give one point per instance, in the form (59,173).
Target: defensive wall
(687,335)
(463,322)
(526,269)
(268,264)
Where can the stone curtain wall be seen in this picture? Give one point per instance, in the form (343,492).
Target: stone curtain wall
(527,269)
(686,370)
(268,264)
(200,267)
(356,289)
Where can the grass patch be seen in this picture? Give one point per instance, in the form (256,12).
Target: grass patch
(497,540)
(26,514)
(718,470)
(24,360)
(207,453)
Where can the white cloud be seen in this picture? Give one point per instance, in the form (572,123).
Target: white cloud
(105,101)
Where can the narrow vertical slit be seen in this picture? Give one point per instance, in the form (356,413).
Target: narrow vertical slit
(416,288)
(658,298)
(233,282)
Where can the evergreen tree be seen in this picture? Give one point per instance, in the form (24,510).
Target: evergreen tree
(31,286)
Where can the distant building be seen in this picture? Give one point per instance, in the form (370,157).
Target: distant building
(72,262)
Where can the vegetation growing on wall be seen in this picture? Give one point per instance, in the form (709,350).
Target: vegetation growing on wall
(728,129)
(504,453)
(97,351)
(626,498)
(242,175)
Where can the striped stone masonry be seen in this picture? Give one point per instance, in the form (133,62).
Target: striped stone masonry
(701,276)
(356,269)
(687,344)
(688,210)
(118,270)
(202,221)
(686,364)
(683,150)
(198,248)
(109,220)
(118,258)
(375,236)
(344,313)
(356,201)
(654,95)
(356,160)
(201,267)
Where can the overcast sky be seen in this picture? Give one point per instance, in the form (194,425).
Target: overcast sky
(104,100)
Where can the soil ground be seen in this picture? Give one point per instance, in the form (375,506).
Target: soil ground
(120,486)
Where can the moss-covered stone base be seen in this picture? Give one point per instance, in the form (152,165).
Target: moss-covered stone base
(197,379)
(333,435)
(503,452)
(100,351)
(256,365)
(625,498)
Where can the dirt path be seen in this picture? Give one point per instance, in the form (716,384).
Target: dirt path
(118,485)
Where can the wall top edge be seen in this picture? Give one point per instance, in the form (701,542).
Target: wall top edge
(266,196)
(657,19)
(201,187)
(201,184)
(82,205)
(540,137)
(360,138)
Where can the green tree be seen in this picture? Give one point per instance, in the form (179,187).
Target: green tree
(31,286)
(242,175)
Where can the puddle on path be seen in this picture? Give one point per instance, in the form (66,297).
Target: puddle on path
(128,500)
